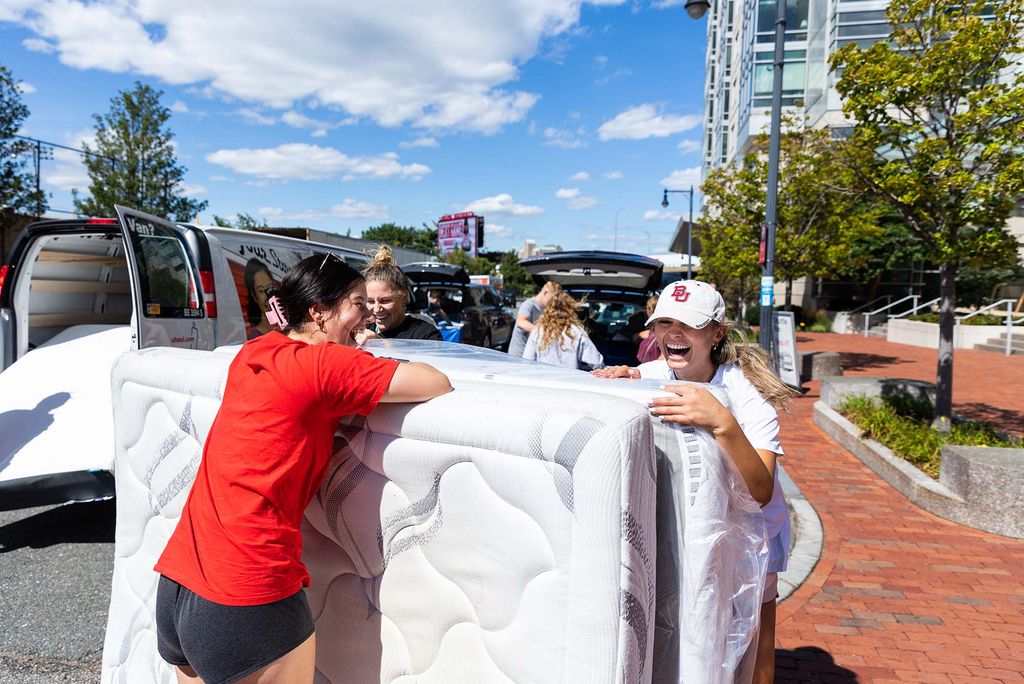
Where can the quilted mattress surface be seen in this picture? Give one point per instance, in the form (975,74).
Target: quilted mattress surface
(514,530)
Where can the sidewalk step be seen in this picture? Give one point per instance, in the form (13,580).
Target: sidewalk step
(997,346)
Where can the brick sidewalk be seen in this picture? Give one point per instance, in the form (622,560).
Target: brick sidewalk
(900,594)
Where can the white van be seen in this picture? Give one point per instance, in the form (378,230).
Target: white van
(75,294)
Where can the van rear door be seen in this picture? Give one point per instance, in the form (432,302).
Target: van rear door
(168,303)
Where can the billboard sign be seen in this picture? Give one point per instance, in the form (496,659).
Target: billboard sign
(463,231)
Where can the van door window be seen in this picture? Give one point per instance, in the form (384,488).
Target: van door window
(168,285)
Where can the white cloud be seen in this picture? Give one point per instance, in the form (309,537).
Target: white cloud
(612,175)
(682,179)
(26,88)
(667,4)
(66,172)
(580,176)
(560,137)
(652,215)
(576,200)
(351,208)
(450,65)
(502,204)
(311,162)
(179,107)
(425,141)
(645,121)
(689,146)
(497,230)
(254,117)
(347,209)
(618,73)
(190,189)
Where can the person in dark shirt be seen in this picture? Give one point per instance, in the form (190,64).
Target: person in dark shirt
(387,295)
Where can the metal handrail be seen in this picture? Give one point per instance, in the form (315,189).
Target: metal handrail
(914,310)
(1010,322)
(869,314)
(873,301)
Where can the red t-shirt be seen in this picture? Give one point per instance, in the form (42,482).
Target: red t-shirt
(239,542)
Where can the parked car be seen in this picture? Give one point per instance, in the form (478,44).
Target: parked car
(75,294)
(613,287)
(484,319)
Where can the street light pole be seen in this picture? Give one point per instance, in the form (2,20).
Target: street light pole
(767,337)
(689,226)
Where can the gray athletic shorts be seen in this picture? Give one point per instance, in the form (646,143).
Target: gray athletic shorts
(226,643)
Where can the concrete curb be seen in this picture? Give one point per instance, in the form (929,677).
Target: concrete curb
(906,478)
(808,537)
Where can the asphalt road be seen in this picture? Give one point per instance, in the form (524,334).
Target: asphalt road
(55,569)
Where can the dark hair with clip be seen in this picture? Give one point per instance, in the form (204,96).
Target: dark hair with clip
(322,279)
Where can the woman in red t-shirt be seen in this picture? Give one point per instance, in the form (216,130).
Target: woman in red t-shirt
(230,603)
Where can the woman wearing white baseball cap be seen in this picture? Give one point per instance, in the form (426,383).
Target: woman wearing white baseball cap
(689,323)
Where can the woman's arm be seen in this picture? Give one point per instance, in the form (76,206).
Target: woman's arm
(413,382)
(696,406)
(530,350)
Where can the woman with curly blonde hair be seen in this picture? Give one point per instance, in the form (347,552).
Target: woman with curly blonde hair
(559,338)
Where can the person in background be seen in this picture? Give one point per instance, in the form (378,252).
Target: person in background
(257,280)
(647,341)
(387,296)
(438,306)
(529,312)
(559,339)
(230,602)
(689,325)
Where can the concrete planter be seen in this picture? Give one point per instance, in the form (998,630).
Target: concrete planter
(921,334)
(979,487)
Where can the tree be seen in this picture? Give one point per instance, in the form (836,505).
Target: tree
(474,265)
(939,119)
(133,162)
(17,184)
(514,277)
(421,239)
(819,217)
(243,221)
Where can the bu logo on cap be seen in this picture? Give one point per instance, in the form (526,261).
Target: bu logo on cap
(680,294)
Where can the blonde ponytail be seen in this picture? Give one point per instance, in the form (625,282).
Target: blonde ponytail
(756,366)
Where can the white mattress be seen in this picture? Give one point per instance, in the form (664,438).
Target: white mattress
(55,394)
(499,533)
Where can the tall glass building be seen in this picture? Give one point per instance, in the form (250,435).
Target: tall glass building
(739,74)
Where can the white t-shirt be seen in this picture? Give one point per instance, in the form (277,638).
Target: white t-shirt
(575,350)
(760,424)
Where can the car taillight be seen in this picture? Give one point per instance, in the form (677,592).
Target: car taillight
(101,221)
(209,293)
(3,277)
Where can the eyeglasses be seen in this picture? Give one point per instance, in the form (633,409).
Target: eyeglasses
(329,255)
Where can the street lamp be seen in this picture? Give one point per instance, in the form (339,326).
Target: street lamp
(766,336)
(664,201)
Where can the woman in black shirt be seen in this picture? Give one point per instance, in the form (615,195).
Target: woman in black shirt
(387,295)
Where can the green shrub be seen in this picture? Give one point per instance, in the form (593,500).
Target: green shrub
(902,423)
(822,322)
(980,319)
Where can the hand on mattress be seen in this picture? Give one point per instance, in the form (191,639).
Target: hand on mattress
(610,372)
(692,405)
(363,335)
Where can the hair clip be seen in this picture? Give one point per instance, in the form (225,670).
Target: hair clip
(276,314)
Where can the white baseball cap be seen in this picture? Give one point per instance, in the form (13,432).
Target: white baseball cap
(691,302)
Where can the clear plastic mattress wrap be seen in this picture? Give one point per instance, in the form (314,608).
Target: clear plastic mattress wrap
(533,526)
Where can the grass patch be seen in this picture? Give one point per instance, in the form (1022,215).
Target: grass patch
(903,424)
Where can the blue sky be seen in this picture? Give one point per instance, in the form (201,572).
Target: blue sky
(554,119)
